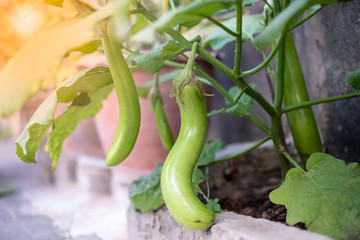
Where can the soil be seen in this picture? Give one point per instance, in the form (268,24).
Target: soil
(258,207)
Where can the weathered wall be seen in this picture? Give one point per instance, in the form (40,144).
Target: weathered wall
(329,49)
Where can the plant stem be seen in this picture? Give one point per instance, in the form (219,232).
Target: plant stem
(238,42)
(293,162)
(174,64)
(207,189)
(256,96)
(242,152)
(266,61)
(257,122)
(222,26)
(279,144)
(238,95)
(268,80)
(191,60)
(269,5)
(279,80)
(277,6)
(319,101)
(307,17)
(172,4)
(156,81)
(251,116)
(226,70)
(276,127)
(202,52)
(214,83)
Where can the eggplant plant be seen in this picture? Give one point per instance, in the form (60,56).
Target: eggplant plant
(321,191)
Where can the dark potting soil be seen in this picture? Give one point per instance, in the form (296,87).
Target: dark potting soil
(258,207)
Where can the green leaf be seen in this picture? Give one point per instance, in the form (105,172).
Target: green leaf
(242,106)
(198,177)
(146,194)
(208,153)
(29,140)
(67,122)
(216,111)
(187,15)
(247,3)
(139,24)
(281,23)
(284,20)
(353,79)
(9,189)
(218,38)
(236,110)
(191,14)
(326,197)
(45,52)
(213,204)
(142,91)
(89,47)
(251,25)
(152,62)
(56,3)
(87,82)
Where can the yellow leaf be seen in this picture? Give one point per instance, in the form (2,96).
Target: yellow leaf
(22,76)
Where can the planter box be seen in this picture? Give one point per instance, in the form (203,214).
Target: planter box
(228,226)
(253,173)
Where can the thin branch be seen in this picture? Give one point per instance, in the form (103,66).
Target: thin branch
(269,5)
(293,162)
(279,80)
(202,52)
(268,78)
(307,17)
(266,61)
(239,94)
(222,26)
(238,42)
(242,152)
(319,101)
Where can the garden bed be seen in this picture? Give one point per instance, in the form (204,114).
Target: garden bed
(228,225)
(247,212)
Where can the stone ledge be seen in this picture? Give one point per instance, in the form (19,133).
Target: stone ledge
(228,226)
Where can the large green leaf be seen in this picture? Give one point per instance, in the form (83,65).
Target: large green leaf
(146,192)
(139,24)
(187,15)
(284,20)
(242,106)
(249,2)
(191,14)
(83,106)
(153,61)
(208,153)
(22,76)
(353,79)
(326,197)
(218,38)
(89,82)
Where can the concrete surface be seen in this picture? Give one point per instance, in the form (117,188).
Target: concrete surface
(41,209)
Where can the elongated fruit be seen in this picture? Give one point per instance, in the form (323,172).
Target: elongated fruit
(301,121)
(129,107)
(176,176)
(162,123)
